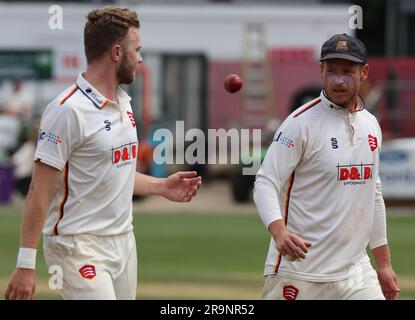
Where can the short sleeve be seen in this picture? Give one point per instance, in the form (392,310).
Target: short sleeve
(60,133)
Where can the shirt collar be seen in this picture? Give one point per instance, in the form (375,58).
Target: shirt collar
(95,96)
(123,95)
(338,108)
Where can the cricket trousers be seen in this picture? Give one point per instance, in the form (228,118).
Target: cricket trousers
(362,286)
(94,267)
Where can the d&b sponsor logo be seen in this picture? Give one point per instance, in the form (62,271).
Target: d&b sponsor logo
(125,154)
(353,174)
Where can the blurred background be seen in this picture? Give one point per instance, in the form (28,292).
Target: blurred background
(215,246)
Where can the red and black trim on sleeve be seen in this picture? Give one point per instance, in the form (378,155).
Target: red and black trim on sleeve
(64,198)
(286,209)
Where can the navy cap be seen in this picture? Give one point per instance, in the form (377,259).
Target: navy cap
(343,46)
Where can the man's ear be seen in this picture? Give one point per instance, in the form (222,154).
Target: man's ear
(322,71)
(116,52)
(364,72)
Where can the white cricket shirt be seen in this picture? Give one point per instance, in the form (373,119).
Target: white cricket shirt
(93,141)
(320,175)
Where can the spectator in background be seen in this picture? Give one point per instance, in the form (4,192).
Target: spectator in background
(22,160)
(15,114)
(19,103)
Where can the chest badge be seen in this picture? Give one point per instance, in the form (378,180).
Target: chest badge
(373,142)
(334,143)
(290,292)
(107,125)
(131,116)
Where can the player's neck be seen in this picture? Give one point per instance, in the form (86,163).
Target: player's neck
(353,105)
(102,79)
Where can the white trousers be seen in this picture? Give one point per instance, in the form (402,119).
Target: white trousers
(362,286)
(94,267)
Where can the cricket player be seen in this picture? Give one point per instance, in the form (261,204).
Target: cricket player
(84,176)
(319,194)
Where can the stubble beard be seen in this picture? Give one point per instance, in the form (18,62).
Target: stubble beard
(125,73)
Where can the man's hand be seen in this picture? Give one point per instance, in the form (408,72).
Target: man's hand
(389,283)
(22,285)
(42,189)
(386,276)
(181,186)
(288,243)
(292,245)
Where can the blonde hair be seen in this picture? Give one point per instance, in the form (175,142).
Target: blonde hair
(105,27)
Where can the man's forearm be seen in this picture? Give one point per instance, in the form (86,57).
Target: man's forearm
(34,215)
(277,228)
(378,236)
(382,256)
(146,185)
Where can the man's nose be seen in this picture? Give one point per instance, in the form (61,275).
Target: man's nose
(338,80)
(140,58)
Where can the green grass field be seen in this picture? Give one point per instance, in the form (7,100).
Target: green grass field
(201,256)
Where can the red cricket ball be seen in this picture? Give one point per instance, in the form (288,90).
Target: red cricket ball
(233,83)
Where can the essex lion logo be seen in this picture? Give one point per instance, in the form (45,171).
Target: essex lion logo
(88,271)
(290,292)
(131,116)
(373,142)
